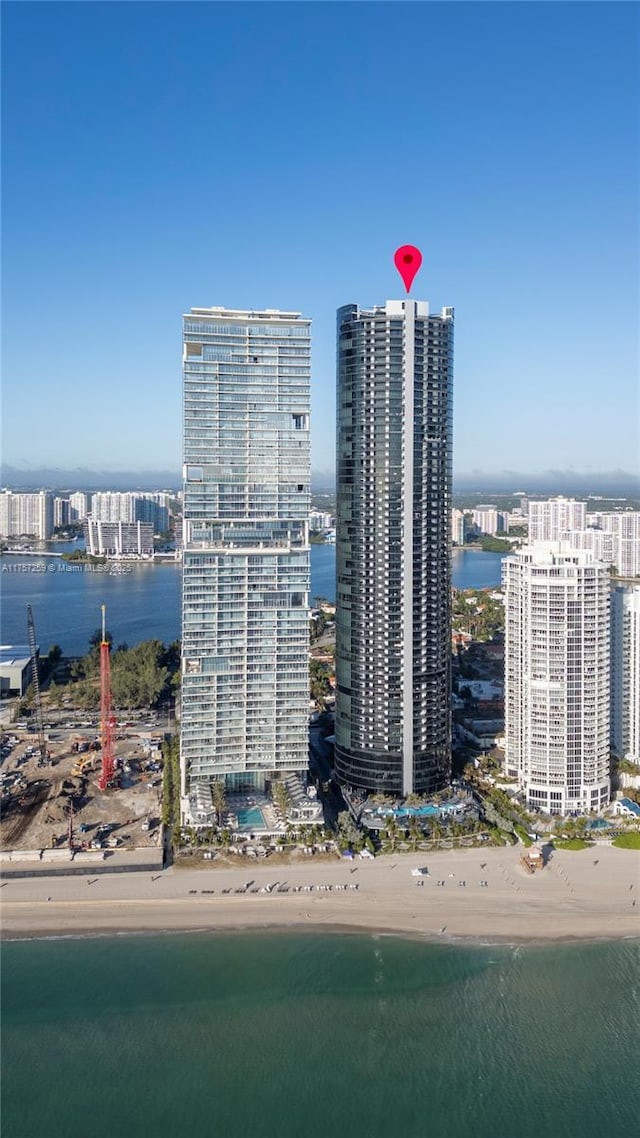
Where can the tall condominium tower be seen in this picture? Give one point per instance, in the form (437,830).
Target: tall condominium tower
(245,618)
(548,520)
(393,633)
(625,672)
(26,514)
(557,677)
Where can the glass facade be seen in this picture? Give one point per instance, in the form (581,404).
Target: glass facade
(245,606)
(393,634)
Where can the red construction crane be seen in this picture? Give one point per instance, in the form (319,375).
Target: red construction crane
(107,722)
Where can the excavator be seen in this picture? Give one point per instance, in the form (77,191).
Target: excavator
(83,766)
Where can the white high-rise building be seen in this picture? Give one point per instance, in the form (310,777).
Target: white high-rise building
(625,672)
(245,609)
(26,515)
(601,544)
(624,525)
(60,512)
(458,526)
(549,519)
(131,506)
(112,506)
(78,506)
(487,519)
(557,677)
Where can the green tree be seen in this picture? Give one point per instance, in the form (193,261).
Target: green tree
(219,799)
(393,830)
(280,796)
(319,680)
(348,836)
(415,831)
(171,783)
(435,829)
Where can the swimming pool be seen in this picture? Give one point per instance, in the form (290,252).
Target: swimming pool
(251,819)
(409,811)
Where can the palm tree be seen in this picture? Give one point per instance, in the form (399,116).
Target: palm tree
(436,829)
(281,799)
(219,799)
(415,831)
(392,831)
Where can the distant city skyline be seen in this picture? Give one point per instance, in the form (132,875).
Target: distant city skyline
(614,482)
(520,193)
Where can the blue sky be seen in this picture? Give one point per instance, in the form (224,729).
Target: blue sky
(164,156)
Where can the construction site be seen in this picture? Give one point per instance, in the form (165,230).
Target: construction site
(71,799)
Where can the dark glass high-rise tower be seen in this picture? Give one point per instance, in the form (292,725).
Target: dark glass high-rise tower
(393,631)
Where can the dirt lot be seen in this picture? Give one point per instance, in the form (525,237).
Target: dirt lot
(36,800)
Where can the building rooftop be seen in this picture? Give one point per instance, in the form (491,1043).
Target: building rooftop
(13,655)
(245,314)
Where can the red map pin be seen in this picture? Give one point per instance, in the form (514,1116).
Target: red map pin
(407,261)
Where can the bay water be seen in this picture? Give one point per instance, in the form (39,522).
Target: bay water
(283,1035)
(143,601)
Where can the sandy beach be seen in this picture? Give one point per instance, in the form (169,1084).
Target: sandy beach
(586,894)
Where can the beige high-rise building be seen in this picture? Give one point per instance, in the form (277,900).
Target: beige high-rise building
(557,677)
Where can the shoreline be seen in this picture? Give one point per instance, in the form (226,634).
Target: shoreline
(574,899)
(339,930)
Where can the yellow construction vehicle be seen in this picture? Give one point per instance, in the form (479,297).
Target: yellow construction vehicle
(82,766)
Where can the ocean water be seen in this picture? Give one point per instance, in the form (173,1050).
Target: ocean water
(145,601)
(276,1035)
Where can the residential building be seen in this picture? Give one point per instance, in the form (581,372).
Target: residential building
(625,672)
(458,527)
(393,625)
(79,504)
(624,525)
(26,515)
(60,512)
(112,506)
(486,519)
(131,506)
(600,543)
(115,540)
(550,518)
(319,521)
(147,508)
(245,612)
(613,537)
(557,677)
